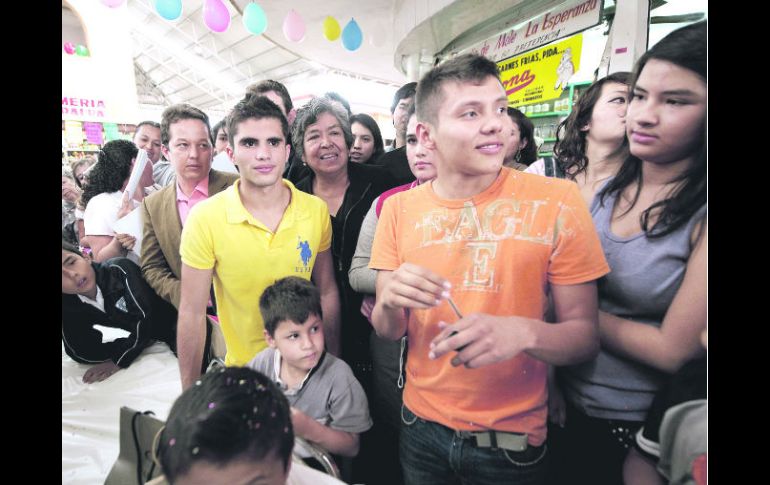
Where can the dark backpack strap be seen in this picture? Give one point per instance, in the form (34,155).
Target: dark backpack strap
(139,456)
(552,168)
(559,170)
(548,163)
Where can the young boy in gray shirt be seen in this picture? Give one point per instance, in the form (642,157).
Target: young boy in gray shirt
(328,405)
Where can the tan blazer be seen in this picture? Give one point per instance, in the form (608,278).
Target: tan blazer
(161,262)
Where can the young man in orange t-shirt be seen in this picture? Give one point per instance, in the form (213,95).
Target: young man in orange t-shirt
(490,242)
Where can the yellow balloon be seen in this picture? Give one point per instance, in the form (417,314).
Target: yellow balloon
(331,28)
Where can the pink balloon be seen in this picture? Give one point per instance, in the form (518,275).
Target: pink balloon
(69,48)
(294,27)
(216,16)
(113,3)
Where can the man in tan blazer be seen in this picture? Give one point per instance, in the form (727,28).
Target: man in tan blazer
(186,143)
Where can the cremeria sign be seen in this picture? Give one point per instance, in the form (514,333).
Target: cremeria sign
(562,21)
(82,108)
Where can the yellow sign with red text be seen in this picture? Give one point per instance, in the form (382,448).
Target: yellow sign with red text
(540,74)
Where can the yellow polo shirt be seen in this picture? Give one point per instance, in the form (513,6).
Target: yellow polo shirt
(247,258)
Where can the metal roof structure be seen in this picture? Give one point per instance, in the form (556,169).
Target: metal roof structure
(184,61)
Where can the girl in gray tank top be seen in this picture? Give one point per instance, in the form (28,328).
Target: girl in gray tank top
(651,219)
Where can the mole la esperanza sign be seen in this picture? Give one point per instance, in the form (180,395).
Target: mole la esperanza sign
(557,23)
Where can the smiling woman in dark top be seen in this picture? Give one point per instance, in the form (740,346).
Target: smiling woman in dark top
(322,140)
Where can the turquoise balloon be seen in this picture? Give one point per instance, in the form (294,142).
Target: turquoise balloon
(352,36)
(169,9)
(254,19)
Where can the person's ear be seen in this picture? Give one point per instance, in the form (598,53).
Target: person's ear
(425,135)
(269,339)
(523,143)
(291,116)
(164,151)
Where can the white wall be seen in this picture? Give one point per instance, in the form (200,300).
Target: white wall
(108,74)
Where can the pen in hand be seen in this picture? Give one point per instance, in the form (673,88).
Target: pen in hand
(459,315)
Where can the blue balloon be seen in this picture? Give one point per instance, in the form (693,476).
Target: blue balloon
(254,19)
(352,36)
(169,9)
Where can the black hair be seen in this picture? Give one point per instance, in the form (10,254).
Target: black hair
(178,112)
(111,171)
(331,95)
(686,48)
(70,247)
(408,90)
(464,68)
(371,125)
(255,106)
(290,298)
(154,124)
(269,85)
(230,414)
(570,147)
(528,154)
(215,131)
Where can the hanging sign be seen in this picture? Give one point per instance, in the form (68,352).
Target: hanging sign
(111,131)
(541,74)
(557,23)
(94,133)
(73,132)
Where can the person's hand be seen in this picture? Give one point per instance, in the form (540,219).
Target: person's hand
(301,422)
(367,306)
(485,339)
(412,286)
(557,406)
(127,241)
(126,205)
(100,372)
(151,189)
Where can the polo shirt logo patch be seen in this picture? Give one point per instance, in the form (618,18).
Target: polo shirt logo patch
(305,253)
(121,305)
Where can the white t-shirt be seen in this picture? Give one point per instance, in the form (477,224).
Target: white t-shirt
(537,167)
(101,214)
(222,163)
(299,474)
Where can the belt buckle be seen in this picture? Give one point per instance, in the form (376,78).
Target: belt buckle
(501,439)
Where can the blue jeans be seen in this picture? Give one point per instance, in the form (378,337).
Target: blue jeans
(434,454)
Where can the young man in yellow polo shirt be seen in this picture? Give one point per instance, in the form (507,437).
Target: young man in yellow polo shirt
(246,237)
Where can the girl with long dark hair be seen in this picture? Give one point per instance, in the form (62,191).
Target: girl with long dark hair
(652,221)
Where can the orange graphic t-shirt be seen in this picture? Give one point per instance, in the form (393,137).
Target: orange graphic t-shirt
(500,250)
